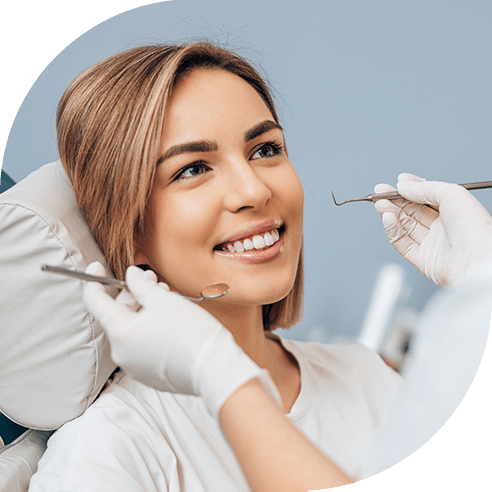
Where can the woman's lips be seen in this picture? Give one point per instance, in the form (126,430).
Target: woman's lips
(255,230)
(256,256)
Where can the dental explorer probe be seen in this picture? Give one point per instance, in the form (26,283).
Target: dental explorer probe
(213,291)
(394,195)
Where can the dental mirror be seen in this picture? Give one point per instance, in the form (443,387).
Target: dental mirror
(210,292)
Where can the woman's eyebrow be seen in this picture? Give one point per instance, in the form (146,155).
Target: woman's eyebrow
(187,147)
(261,128)
(211,145)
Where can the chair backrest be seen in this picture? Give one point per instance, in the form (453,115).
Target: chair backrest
(9,431)
(54,356)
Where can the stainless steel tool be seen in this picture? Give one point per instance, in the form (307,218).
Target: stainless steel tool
(214,291)
(394,195)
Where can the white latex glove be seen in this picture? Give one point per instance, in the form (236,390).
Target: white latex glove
(168,342)
(440,228)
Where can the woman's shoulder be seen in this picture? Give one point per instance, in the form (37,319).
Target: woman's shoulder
(333,355)
(110,441)
(352,363)
(124,407)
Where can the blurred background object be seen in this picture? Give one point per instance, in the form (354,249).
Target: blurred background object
(392,316)
(399,297)
(446,350)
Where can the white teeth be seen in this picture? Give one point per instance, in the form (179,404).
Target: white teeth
(238,246)
(258,242)
(248,244)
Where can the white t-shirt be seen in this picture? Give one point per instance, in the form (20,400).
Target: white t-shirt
(134,438)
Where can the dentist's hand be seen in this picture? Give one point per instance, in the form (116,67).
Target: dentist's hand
(169,343)
(439,227)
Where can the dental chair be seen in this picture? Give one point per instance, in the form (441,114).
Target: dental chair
(54,359)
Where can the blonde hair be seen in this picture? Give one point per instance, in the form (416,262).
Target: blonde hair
(109,125)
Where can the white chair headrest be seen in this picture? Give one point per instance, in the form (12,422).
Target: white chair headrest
(54,357)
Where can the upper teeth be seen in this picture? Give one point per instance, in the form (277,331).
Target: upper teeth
(256,242)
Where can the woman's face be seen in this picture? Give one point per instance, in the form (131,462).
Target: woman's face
(226,204)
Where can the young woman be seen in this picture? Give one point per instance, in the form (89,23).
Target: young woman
(179,163)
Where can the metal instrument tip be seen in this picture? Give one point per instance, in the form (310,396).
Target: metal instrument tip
(334,200)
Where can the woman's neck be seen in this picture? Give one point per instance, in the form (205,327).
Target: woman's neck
(246,325)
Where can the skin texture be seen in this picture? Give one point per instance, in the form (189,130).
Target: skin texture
(235,182)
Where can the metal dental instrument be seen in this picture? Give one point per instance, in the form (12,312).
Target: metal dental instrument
(394,195)
(213,291)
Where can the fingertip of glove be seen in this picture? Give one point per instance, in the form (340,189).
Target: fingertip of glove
(150,275)
(383,188)
(134,272)
(409,177)
(381,206)
(402,186)
(92,293)
(389,219)
(95,268)
(411,190)
(139,281)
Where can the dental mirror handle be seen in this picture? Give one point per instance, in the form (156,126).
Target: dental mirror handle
(120,284)
(214,291)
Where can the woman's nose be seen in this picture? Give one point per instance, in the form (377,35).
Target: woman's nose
(245,188)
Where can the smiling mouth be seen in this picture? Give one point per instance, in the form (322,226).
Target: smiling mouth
(259,242)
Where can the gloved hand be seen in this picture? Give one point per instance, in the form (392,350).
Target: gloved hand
(439,227)
(169,343)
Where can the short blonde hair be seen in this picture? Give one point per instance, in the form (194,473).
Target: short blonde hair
(109,125)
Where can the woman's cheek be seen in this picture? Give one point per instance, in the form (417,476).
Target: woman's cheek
(294,194)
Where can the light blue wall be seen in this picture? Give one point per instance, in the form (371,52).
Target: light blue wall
(366,90)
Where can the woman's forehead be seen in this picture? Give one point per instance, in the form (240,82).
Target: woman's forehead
(205,102)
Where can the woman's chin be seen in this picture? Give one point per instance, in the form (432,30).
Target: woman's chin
(258,295)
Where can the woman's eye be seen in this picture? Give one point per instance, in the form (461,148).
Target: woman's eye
(191,171)
(268,150)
